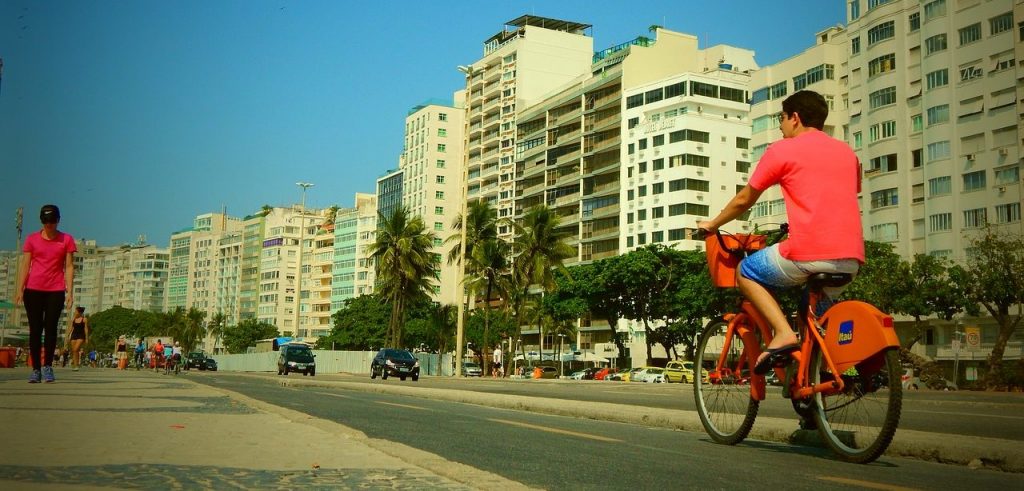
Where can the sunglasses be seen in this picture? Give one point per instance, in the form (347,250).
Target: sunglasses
(780,117)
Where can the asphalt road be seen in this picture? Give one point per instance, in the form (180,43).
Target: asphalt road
(966,413)
(555,452)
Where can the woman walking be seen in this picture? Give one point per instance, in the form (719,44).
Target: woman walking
(78,336)
(121,353)
(46,279)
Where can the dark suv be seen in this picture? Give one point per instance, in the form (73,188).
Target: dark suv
(196,360)
(296,358)
(395,362)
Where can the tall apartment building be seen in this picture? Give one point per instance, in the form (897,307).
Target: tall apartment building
(249,267)
(13,317)
(934,117)
(353,271)
(821,68)
(432,178)
(522,64)
(142,278)
(229,275)
(192,280)
(317,276)
(278,266)
(390,188)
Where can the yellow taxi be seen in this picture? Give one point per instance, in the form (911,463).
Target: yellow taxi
(682,372)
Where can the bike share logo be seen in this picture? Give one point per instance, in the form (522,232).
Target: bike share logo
(846,332)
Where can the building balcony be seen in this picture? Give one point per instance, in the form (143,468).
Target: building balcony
(602,212)
(593,169)
(592,148)
(565,118)
(568,199)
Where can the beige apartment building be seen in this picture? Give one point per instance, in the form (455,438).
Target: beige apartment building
(522,64)
(142,282)
(317,276)
(432,179)
(249,267)
(353,272)
(229,277)
(192,282)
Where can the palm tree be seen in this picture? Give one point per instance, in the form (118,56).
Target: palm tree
(216,328)
(266,210)
(483,225)
(191,330)
(405,266)
(539,249)
(489,263)
(442,323)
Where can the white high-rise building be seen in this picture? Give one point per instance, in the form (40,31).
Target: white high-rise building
(192,282)
(353,271)
(432,179)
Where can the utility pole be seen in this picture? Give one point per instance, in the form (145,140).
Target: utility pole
(298,270)
(460,325)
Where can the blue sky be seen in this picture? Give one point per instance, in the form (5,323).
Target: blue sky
(135,116)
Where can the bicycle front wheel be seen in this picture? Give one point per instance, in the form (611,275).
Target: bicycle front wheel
(858,423)
(724,403)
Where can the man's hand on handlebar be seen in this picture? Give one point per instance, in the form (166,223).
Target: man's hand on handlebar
(704,228)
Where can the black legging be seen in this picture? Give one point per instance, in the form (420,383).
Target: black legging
(43,309)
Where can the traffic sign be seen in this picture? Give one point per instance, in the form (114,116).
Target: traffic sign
(973,337)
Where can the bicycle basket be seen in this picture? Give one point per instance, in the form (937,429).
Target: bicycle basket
(722,264)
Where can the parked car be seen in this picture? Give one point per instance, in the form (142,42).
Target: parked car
(602,373)
(578,375)
(682,371)
(211,365)
(196,359)
(911,381)
(471,369)
(625,375)
(395,362)
(649,375)
(296,358)
(545,372)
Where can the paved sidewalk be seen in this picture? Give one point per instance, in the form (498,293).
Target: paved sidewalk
(104,428)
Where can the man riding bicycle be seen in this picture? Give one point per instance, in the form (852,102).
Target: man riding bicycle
(140,353)
(820,180)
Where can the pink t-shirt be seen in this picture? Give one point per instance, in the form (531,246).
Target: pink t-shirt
(46,270)
(819,176)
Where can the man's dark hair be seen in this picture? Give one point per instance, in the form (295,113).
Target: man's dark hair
(811,107)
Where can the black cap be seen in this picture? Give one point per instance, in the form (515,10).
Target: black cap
(49,214)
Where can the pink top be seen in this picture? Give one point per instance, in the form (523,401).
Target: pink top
(46,270)
(820,177)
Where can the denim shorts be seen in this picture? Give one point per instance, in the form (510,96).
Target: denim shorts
(773,271)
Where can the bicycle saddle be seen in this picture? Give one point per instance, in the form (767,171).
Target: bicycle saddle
(821,280)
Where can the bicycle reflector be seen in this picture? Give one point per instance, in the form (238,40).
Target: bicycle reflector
(887,321)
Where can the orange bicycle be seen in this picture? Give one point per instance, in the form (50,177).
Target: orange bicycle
(844,379)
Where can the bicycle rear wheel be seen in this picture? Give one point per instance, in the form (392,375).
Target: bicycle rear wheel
(858,424)
(724,404)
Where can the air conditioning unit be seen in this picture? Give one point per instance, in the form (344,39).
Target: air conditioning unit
(1004,151)
(970,157)
(1002,189)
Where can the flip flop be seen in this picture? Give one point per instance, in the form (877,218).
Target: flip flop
(777,358)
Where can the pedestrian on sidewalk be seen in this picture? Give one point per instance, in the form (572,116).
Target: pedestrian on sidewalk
(121,352)
(497,370)
(158,354)
(46,279)
(78,336)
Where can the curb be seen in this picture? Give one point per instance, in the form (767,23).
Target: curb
(992,453)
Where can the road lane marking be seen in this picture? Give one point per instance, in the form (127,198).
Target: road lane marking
(865,484)
(555,430)
(402,405)
(333,395)
(973,415)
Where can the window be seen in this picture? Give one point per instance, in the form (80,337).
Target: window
(1004,64)
(658,188)
(439,194)
(641,167)
(439,210)
(1008,213)
(634,101)
(689,159)
(439,179)
(886,232)
(885,163)
(935,44)
(675,90)
(917,193)
(1008,175)
(658,140)
(629,241)
(882,64)
(858,140)
(731,94)
(970,34)
(742,166)
(970,73)
(940,185)
(938,114)
(938,150)
(915,21)
(629,218)
(1000,23)
(442,132)
(629,195)
(881,32)
(441,147)
(742,142)
(855,45)
(653,95)
(631,149)
(442,117)
(885,197)
(974,181)
(875,3)
(658,164)
(975,218)
(917,122)
(688,209)
(934,9)
(940,222)
(706,90)
(438,242)
(854,9)
(917,157)
(633,122)
(882,97)
(658,212)
(641,239)
(439,226)
(938,78)
(882,131)
(641,215)
(641,191)
(689,135)
(642,144)
(688,184)
(658,236)
(440,164)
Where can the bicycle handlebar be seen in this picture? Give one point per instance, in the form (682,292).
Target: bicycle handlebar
(774,236)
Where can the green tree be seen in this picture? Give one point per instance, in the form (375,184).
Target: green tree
(994,279)
(360,324)
(239,338)
(882,279)
(692,299)
(405,264)
(105,326)
(929,289)
(216,328)
(490,265)
(190,329)
(539,249)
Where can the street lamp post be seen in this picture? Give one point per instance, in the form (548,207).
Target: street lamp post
(460,276)
(302,238)
(957,345)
